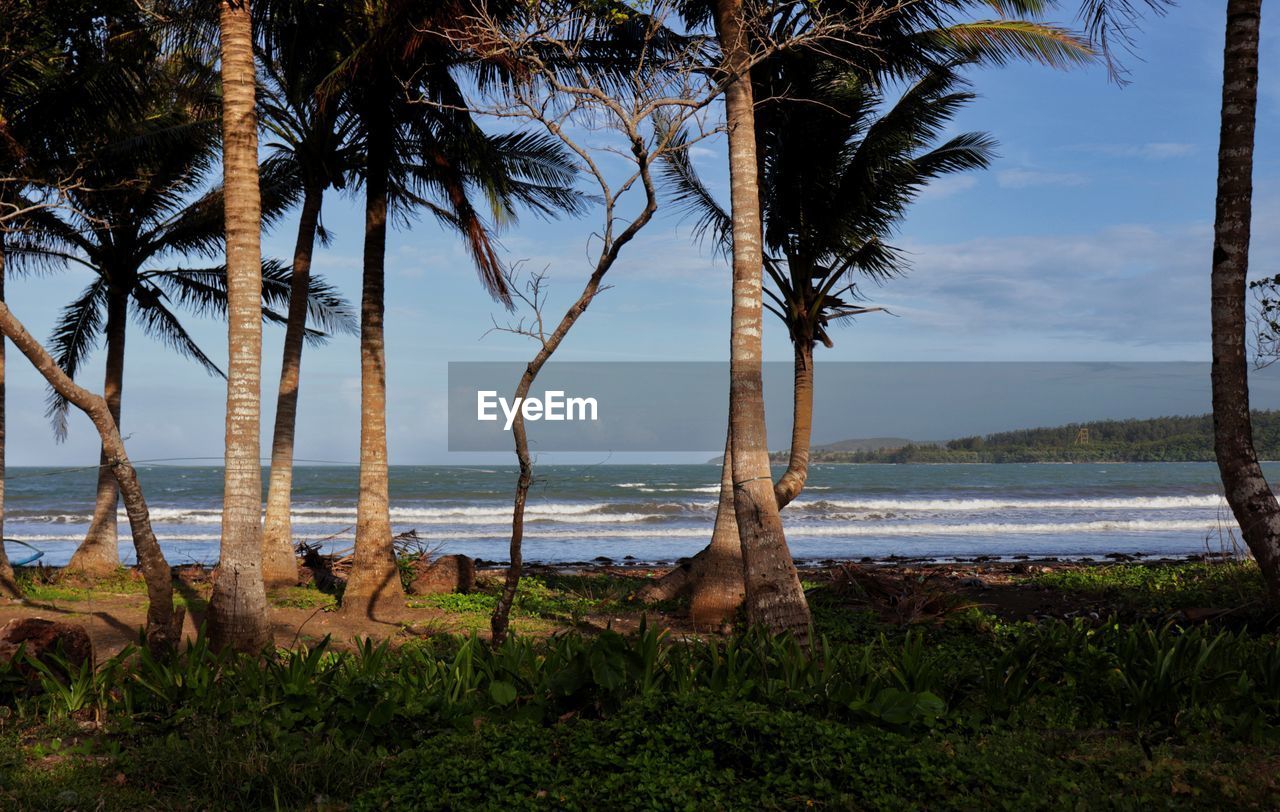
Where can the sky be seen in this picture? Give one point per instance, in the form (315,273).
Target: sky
(1088,239)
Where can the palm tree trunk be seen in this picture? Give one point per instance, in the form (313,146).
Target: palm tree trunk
(774,597)
(164,624)
(279,562)
(717,589)
(713,578)
(791,483)
(710,575)
(238,610)
(8,584)
(99,553)
(375,578)
(1247,491)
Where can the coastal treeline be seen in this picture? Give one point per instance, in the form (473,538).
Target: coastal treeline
(1160,439)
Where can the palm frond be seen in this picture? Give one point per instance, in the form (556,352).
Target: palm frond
(203,291)
(535,172)
(1111,24)
(74,336)
(198,227)
(999,42)
(326,307)
(161,324)
(690,194)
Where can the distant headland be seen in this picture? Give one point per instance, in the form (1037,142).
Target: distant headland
(1159,439)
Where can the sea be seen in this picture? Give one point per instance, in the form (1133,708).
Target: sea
(660,513)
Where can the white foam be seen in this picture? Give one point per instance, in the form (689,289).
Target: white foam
(861,529)
(964,505)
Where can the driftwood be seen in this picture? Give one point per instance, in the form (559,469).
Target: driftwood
(904,598)
(327,572)
(330,571)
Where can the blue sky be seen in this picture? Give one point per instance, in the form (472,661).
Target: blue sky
(1088,239)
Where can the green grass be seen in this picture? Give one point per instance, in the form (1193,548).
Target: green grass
(302,597)
(122,581)
(563,598)
(1162,588)
(972,714)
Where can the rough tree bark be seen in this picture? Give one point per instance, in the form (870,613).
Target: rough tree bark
(163,623)
(238,610)
(707,575)
(279,561)
(774,597)
(714,577)
(1247,491)
(375,578)
(8,584)
(99,553)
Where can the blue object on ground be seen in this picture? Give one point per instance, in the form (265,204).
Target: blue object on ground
(36,555)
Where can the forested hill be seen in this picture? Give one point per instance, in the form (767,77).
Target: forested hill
(1161,439)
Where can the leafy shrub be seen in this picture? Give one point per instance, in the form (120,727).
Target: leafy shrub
(706,751)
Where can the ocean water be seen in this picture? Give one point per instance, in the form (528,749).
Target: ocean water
(662,512)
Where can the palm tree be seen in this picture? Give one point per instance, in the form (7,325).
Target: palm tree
(56,80)
(773,597)
(421,149)
(838,169)
(66,67)
(904,40)
(1247,491)
(130,214)
(238,609)
(299,47)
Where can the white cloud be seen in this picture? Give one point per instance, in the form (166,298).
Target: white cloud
(1160,150)
(1151,151)
(948,186)
(1025,178)
(1135,286)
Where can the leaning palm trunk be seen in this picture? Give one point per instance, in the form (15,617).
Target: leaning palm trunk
(163,623)
(1247,491)
(99,553)
(279,564)
(238,609)
(375,578)
(791,483)
(774,597)
(8,584)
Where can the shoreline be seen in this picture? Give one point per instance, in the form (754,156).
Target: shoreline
(630,566)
